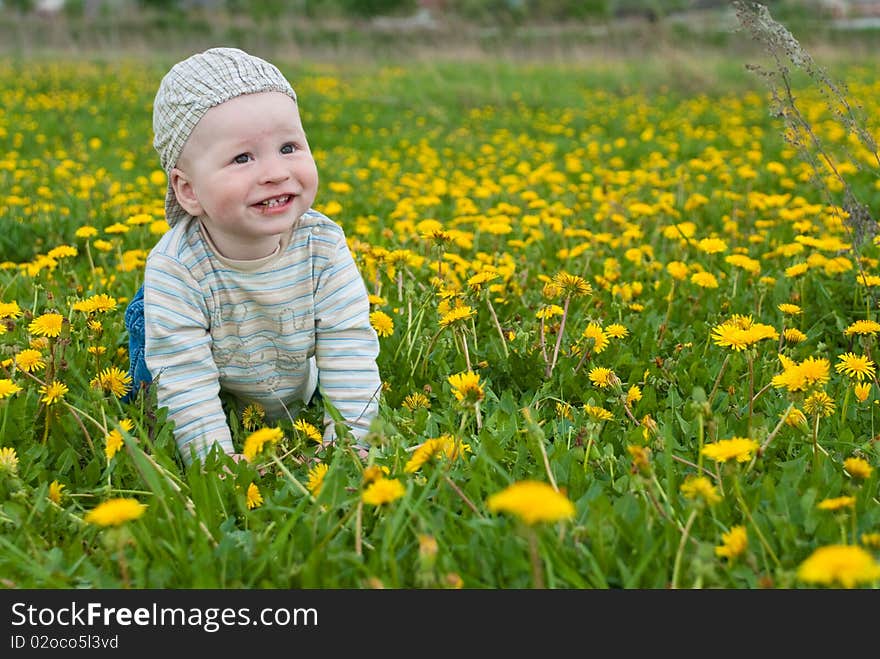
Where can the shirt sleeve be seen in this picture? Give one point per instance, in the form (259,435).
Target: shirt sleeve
(346,345)
(178,354)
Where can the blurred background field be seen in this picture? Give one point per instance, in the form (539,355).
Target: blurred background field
(422,29)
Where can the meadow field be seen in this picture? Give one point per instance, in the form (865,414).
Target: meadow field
(627,336)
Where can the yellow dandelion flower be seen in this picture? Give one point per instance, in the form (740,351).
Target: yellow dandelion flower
(863,327)
(796,270)
(39,343)
(603,377)
(116,227)
(550,290)
(53,393)
(483,277)
(819,403)
(858,468)
(704,280)
(382,491)
(55,492)
(255,442)
(62,251)
(750,265)
(736,448)
(253,498)
(597,335)
(700,488)
(457,315)
(8,460)
(733,543)
(740,332)
(309,430)
(252,416)
(641,457)
(49,324)
(374,472)
(798,376)
(438,236)
(563,410)
(870,540)
(316,478)
(140,218)
(789,309)
(115,512)
(837,503)
(532,502)
(795,418)
(112,380)
(793,335)
(86,232)
(549,311)
(8,388)
(814,370)
(415,401)
(598,413)
(159,227)
(634,395)
(616,331)
(844,565)
(862,390)
(730,336)
(382,323)
(858,367)
(572,285)
(444,446)
(100,303)
(466,387)
(712,245)
(10,310)
(677,269)
(114,441)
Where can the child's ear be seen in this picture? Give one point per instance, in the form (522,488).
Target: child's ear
(186,195)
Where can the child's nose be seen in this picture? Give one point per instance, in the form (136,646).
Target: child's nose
(274,170)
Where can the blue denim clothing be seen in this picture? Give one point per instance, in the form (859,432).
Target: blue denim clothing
(134,323)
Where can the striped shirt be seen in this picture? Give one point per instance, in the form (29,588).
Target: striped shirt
(269,331)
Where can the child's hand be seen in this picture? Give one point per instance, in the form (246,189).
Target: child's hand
(239,457)
(236,457)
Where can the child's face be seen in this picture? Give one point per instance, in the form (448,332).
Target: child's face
(247,172)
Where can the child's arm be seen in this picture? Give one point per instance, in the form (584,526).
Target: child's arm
(178,353)
(346,345)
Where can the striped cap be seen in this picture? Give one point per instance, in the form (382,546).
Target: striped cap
(191,88)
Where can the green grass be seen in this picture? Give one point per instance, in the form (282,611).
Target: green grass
(534,169)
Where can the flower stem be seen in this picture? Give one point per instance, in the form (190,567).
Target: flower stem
(718,379)
(680,552)
(535,558)
(751,361)
(497,326)
(748,514)
(302,488)
(559,336)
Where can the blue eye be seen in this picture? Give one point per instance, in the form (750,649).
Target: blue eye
(241,158)
(288,148)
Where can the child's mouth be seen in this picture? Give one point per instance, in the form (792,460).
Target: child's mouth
(274,204)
